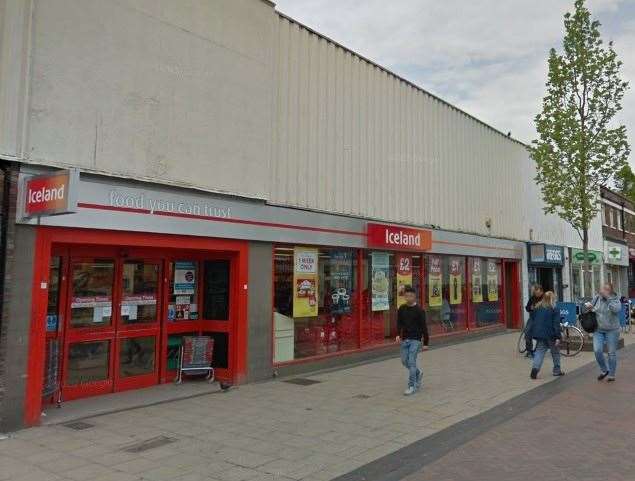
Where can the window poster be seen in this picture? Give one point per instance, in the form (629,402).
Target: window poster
(184,277)
(404,276)
(456,281)
(380,266)
(341,281)
(492,281)
(477,281)
(305,291)
(435,282)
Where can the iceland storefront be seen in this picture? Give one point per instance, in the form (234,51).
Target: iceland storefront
(130,268)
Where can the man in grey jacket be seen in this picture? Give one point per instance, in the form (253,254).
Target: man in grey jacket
(607,308)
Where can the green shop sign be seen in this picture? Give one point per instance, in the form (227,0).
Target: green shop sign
(594,257)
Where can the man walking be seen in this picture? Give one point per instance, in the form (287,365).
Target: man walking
(412,328)
(607,308)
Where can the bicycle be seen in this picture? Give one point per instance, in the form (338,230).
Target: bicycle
(571,340)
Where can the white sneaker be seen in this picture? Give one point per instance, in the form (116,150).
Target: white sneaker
(411,390)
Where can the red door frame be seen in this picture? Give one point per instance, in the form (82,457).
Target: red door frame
(46,237)
(514,286)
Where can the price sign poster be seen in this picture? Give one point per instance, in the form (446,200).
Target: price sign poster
(184,277)
(456,281)
(404,276)
(305,292)
(380,282)
(477,281)
(435,283)
(492,281)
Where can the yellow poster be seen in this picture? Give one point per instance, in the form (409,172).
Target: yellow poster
(492,281)
(435,283)
(404,276)
(456,281)
(477,282)
(305,289)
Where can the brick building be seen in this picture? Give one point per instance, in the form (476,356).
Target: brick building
(618,229)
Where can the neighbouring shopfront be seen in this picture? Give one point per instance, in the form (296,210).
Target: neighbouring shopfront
(131,268)
(545,264)
(616,258)
(585,286)
(631,272)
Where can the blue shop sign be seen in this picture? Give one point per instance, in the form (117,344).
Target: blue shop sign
(568,312)
(546,254)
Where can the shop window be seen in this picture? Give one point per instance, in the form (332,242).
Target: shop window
(386,274)
(174,349)
(139,292)
(576,282)
(446,302)
(88,362)
(485,280)
(183,297)
(91,303)
(597,282)
(136,356)
(220,357)
(314,302)
(216,290)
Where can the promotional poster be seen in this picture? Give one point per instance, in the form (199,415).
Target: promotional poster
(492,281)
(456,281)
(477,281)
(305,290)
(381,269)
(435,283)
(404,276)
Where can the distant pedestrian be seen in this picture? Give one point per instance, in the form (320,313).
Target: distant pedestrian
(536,296)
(607,308)
(545,329)
(412,329)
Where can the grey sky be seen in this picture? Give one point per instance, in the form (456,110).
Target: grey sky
(486,56)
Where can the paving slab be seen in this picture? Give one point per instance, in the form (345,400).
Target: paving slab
(279,430)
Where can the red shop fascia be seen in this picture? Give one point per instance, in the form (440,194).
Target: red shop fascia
(125,227)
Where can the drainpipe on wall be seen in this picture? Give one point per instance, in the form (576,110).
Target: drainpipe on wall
(4,224)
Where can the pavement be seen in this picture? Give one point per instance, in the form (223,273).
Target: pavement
(338,425)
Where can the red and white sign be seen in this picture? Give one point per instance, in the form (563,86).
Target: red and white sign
(50,194)
(392,237)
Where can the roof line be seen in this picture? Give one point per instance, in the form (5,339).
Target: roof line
(399,77)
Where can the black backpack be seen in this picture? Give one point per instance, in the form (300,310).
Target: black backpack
(589,321)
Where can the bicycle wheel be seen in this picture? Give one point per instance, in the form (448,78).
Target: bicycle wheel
(572,341)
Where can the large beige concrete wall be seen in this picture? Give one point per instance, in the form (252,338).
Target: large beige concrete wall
(177,92)
(352,138)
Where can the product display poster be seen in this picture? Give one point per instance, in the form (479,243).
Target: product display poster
(404,276)
(380,266)
(477,282)
(492,281)
(341,281)
(184,277)
(305,292)
(456,281)
(435,282)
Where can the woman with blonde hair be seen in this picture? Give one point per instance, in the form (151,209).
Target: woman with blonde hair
(545,329)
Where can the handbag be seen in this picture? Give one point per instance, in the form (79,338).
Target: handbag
(589,320)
